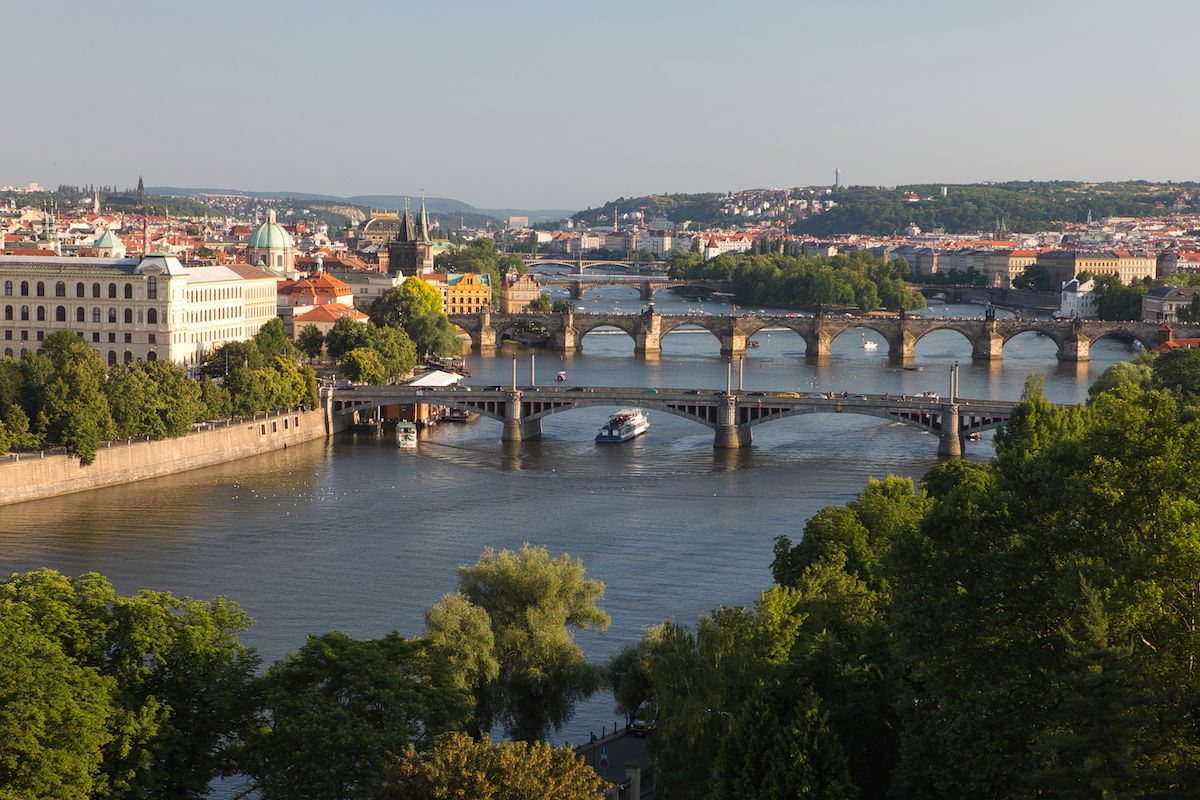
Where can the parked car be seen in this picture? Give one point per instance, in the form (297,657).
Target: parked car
(644,720)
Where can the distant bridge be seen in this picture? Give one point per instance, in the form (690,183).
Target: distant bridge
(731,415)
(1072,337)
(579,265)
(646,287)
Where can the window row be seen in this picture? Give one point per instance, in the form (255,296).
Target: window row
(112,337)
(60,289)
(60,314)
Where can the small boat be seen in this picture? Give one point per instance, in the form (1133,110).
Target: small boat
(868,344)
(560,377)
(460,415)
(914,368)
(623,426)
(406,436)
(753,344)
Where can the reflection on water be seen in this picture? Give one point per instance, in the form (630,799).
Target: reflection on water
(354,534)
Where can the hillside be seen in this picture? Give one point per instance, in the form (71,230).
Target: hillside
(1017,205)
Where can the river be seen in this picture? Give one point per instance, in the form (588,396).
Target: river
(356,535)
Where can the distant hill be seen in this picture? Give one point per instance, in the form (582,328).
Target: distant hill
(441,206)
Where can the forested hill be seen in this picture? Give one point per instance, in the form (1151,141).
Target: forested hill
(1018,205)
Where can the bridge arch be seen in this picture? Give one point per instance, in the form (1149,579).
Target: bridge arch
(698,322)
(655,405)
(848,409)
(949,326)
(1148,342)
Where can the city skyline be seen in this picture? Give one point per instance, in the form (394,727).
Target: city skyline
(535,105)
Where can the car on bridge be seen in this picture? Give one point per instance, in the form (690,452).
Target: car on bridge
(789,394)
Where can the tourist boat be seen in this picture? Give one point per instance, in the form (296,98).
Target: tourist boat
(753,343)
(623,426)
(560,377)
(868,344)
(460,415)
(406,435)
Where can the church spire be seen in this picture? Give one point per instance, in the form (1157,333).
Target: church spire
(423,223)
(407,232)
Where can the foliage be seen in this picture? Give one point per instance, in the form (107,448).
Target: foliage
(433,334)
(154,398)
(346,335)
(157,684)
(339,710)
(311,342)
(362,365)
(560,306)
(416,307)
(855,280)
(73,411)
(533,604)
(543,303)
(272,340)
(459,766)
(1036,278)
(481,258)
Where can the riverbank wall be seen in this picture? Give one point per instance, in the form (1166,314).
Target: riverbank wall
(35,476)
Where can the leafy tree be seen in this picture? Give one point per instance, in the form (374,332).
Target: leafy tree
(1035,278)
(1177,370)
(560,306)
(346,335)
(459,766)
(55,715)
(215,399)
(311,342)
(1190,313)
(542,303)
(1122,373)
(222,360)
(272,340)
(433,333)
(132,401)
(533,603)
(175,675)
(396,351)
(340,709)
(74,412)
(363,365)
(401,304)
(629,679)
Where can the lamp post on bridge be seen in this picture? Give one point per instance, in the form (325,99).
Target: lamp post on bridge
(954,382)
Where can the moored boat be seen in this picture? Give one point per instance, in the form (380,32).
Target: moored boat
(406,435)
(623,426)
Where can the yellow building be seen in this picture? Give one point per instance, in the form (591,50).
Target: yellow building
(518,291)
(1063,265)
(465,293)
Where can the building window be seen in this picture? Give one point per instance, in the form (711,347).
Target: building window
(129,338)
(153,339)
(128,357)
(60,289)
(24,336)
(8,335)
(41,313)
(8,288)
(41,289)
(112,316)
(152,356)
(152,316)
(8,312)
(129,291)
(112,337)
(24,313)
(80,314)
(60,314)
(95,290)
(152,287)
(80,290)
(112,357)
(8,352)
(129,316)
(24,288)
(112,290)
(96,338)
(41,335)
(96,315)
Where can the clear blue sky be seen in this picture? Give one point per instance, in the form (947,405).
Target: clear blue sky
(539,104)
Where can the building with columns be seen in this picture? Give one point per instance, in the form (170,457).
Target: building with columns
(131,309)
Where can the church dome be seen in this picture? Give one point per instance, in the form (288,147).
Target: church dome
(270,236)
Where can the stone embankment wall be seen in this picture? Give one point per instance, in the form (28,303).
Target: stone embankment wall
(35,476)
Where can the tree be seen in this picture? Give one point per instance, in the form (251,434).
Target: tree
(340,709)
(176,678)
(433,333)
(1035,278)
(363,365)
(401,304)
(534,604)
(74,412)
(542,303)
(396,351)
(311,342)
(560,306)
(459,766)
(272,340)
(346,335)
(1122,373)
(55,714)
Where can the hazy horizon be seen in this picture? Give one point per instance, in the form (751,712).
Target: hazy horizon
(541,105)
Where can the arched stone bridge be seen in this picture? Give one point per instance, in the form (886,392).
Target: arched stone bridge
(731,416)
(646,287)
(580,265)
(1073,337)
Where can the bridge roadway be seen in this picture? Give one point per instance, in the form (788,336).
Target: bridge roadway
(646,287)
(1073,337)
(578,265)
(731,415)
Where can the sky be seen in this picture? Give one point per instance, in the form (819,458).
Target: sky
(538,104)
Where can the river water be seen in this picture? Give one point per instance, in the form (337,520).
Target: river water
(356,535)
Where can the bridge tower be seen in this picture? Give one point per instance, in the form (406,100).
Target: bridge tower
(950,443)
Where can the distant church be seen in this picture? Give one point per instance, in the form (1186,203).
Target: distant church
(411,251)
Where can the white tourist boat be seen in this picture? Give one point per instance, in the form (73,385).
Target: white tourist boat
(406,436)
(868,344)
(623,426)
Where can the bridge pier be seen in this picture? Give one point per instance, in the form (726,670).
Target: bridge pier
(729,435)
(516,429)
(950,443)
(648,339)
(576,290)
(1076,348)
(734,344)
(818,346)
(646,291)
(565,340)
(902,347)
(988,347)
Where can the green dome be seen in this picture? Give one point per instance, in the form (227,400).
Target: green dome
(107,240)
(270,236)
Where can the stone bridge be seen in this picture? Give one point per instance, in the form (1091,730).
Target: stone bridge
(646,287)
(1072,337)
(580,265)
(731,415)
